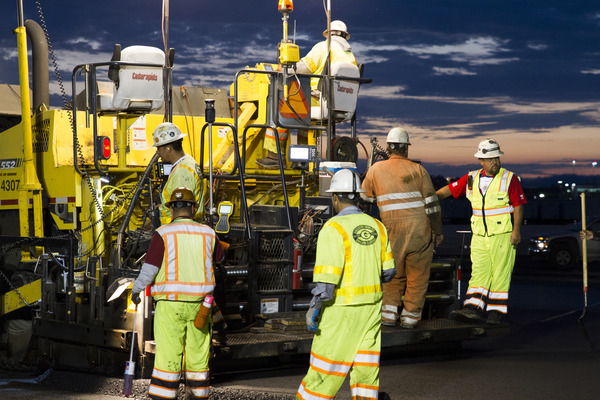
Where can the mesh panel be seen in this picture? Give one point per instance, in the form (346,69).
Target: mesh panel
(275,246)
(273,277)
(41,134)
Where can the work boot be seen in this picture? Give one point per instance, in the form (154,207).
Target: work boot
(388,322)
(219,338)
(494,318)
(408,323)
(271,161)
(383,396)
(467,315)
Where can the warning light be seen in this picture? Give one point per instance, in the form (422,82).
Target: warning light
(103,147)
(285,6)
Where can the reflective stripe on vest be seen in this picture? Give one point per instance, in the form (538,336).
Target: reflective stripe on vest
(186,273)
(347,291)
(494,219)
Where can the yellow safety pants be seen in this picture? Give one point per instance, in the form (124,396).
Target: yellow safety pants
(348,341)
(180,347)
(493,260)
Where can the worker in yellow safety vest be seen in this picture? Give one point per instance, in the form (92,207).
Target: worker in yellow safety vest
(353,258)
(179,267)
(495,195)
(185,172)
(313,63)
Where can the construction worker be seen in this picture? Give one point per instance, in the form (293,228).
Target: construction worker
(313,63)
(495,194)
(410,211)
(353,258)
(185,172)
(179,266)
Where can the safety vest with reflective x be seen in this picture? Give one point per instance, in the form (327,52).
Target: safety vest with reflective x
(187,272)
(491,213)
(352,251)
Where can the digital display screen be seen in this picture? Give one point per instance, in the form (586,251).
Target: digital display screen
(299,153)
(225,209)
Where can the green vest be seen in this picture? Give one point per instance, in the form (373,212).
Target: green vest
(491,213)
(352,251)
(187,272)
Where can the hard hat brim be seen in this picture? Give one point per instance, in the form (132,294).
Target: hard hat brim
(170,141)
(358,190)
(494,154)
(346,35)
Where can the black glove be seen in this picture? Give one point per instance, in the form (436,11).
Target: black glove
(135,298)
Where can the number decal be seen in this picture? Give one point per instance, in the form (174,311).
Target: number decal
(10,163)
(10,185)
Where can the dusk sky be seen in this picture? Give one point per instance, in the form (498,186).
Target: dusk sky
(526,73)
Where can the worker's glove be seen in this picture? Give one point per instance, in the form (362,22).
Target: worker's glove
(387,275)
(135,298)
(313,315)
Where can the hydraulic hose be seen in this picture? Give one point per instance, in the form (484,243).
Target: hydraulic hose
(117,254)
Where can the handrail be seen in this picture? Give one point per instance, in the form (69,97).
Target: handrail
(91,81)
(237,165)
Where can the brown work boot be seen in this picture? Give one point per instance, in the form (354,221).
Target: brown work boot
(271,161)
(494,318)
(467,315)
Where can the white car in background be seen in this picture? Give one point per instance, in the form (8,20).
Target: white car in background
(562,248)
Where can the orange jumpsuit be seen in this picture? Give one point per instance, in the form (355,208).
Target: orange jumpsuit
(410,210)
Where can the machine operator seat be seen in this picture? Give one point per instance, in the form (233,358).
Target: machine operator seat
(135,88)
(344,96)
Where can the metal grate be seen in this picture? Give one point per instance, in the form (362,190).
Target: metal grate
(41,134)
(276,246)
(273,277)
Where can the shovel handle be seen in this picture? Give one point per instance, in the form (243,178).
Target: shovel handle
(584,244)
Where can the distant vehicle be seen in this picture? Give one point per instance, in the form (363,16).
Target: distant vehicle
(562,248)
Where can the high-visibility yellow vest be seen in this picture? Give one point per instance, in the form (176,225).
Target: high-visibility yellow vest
(187,272)
(352,251)
(185,173)
(491,214)
(316,59)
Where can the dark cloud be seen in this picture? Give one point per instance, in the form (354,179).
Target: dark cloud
(465,68)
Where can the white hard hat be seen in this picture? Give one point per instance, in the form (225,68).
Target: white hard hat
(345,181)
(397,135)
(339,28)
(488,148)
(166,133)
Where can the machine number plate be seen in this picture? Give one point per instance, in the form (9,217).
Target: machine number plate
(10,163)
(9,185)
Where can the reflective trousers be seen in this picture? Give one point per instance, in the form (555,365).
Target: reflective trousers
(180,348)
(493,260)
(348,341)
(412,248)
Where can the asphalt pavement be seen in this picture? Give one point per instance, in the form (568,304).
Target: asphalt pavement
(551,353)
